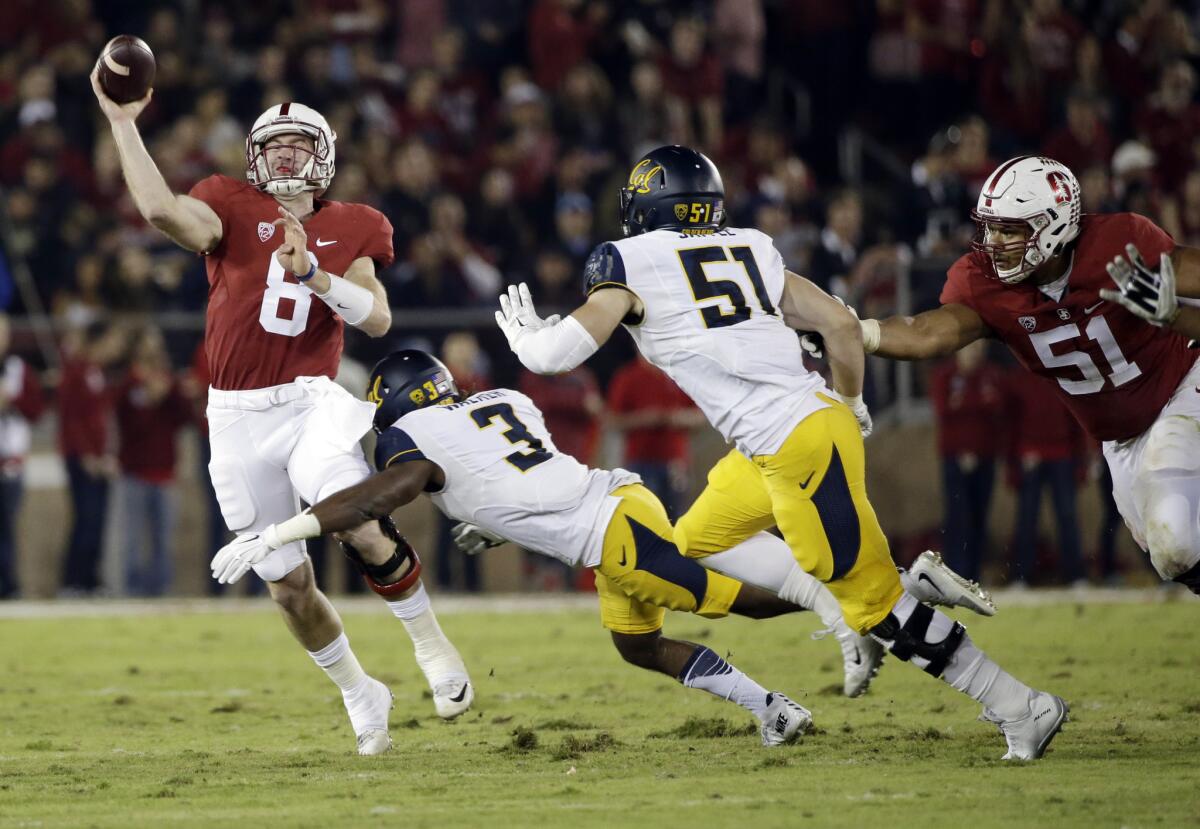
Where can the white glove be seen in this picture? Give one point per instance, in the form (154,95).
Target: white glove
(812,343)
(234,559)
(1147,293)
(517,316)
(861,413)
(473,540)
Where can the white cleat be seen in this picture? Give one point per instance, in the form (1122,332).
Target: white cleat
(1029,736)
(368,707)
(453,697)
(862,657)
(931,581)
(784,721)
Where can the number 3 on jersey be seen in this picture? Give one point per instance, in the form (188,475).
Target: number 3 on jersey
(718,314)
(1121,371)
(279,289)
(516,432)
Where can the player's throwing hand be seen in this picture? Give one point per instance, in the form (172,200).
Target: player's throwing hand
(1148,293)
(293,253)
(113,111)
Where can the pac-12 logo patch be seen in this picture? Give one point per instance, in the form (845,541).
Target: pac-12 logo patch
(265,231)
(1028,323)
(1064,314)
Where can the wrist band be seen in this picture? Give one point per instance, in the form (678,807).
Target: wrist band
(311,271)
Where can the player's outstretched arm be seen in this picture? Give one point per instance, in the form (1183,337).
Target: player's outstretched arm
(370,500)
(189,222)
(935,333)
(555,345)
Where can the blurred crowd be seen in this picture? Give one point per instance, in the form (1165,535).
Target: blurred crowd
(494,134)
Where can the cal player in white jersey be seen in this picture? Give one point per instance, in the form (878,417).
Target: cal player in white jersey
(489,460)
(715,309)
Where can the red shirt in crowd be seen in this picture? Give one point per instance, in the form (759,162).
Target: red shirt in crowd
(640,387)
(569,404)
(970,408)
(148,430)
(84,407)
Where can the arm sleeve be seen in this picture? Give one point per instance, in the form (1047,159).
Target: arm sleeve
(1151,240)
(378,244)
(214,191)
(396,446)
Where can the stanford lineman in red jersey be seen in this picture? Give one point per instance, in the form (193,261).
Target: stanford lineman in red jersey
(1092,302)
(287,270)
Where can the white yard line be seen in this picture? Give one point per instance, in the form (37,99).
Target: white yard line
(502,603)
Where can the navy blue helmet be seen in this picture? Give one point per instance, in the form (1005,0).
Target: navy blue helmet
(408,380)
(673,188)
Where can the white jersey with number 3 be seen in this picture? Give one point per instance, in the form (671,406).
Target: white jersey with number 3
(503,473)
(712,323)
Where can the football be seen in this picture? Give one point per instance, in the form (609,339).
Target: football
(126,69)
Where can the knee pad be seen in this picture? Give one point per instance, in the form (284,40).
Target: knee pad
(403,552)
(912,640)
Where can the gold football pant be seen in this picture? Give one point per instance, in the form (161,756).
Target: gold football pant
(641,573)
(814,490)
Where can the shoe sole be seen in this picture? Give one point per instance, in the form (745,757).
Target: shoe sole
(979,600)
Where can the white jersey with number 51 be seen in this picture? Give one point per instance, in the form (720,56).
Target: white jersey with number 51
(712,323)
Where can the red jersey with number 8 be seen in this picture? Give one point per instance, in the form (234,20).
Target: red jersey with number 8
(263,328)
(1112,369)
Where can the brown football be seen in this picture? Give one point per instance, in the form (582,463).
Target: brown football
(126,69)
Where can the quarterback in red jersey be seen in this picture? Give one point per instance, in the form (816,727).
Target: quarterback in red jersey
(1090,302)
(286,270)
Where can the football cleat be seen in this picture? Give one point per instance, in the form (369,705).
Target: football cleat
(861,655)
(784,721)
(368,707)
(931,581)
(453,697)
(1029,736)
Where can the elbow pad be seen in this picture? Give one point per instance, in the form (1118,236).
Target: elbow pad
(351,302)
(554,349)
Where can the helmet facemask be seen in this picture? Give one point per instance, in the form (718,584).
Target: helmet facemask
(1023,256)
(312,169)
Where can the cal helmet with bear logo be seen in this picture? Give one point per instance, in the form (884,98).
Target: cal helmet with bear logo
(673,188)
(314,172)
(1039,198)
(405,381)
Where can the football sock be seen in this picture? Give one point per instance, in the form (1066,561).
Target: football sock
(709,672)
(337,660)
(808,592)
(970,670)
(436,656)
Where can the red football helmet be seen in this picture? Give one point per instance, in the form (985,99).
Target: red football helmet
(1033,200)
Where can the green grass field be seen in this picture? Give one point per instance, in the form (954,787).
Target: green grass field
(201,719)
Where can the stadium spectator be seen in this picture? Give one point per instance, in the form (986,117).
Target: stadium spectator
(151,409)
(1047,450)
(968,396)
(21,404)
(1170,122)
(85,408)
(655,420)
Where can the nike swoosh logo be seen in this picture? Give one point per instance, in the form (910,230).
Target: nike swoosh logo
(1091,308)
(321,244)
(343,307)
(622,561)
(923,577)
(809,478)
(462,694)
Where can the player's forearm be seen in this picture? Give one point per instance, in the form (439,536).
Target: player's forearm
(909,338)
(358,306)
(1188,322)
(149,189)
(352,507)
(847,362)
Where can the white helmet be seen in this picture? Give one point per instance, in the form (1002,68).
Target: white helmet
(1031,193)
(281,119)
